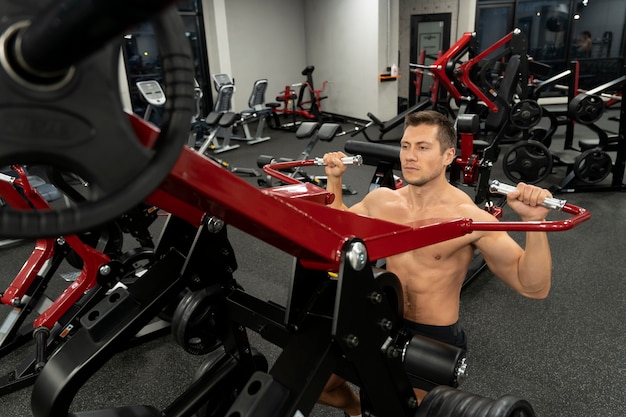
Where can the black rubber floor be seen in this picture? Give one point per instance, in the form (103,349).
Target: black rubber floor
(565,354)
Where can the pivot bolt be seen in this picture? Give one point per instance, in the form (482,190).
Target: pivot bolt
(105,270)
(357,256)
(214,225)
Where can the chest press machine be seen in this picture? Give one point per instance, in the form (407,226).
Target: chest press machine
(346,325)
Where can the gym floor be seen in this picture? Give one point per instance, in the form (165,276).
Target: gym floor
(565,354)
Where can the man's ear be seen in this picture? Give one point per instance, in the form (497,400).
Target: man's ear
(449,155)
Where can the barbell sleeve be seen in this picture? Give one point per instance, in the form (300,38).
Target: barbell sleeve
(496,187)
(348,160)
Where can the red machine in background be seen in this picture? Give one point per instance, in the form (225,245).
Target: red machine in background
(295,105)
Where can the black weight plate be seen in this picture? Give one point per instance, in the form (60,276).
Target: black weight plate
(527,161)
(593,166)
(198,321)
(75,133)
(525,114)
(585,108)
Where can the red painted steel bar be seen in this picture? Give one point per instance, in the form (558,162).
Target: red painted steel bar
(310,231)
(44,249)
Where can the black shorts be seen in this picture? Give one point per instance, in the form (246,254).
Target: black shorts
(452,335)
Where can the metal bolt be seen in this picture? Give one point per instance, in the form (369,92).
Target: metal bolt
(412,402)
(61,240)
(385,324)
(352,341)
(461,370)
(393,352)
(214,225)
(357,256)
(375,297)
(105,270)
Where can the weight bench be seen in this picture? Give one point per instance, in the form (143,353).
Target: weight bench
(315,132)
(385,158)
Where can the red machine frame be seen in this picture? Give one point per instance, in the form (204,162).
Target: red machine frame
(441,67)
(43,251)
(322,231)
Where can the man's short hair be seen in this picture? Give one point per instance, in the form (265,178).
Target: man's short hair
(446,133)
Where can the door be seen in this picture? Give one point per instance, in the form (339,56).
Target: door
(429,33)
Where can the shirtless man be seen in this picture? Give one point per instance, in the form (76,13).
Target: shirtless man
(432,276)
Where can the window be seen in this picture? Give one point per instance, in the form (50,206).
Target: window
(546,25)
(560,31)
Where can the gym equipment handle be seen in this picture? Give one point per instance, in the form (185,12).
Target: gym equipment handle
(497,187)
(273,169)
(579,215)
(348,160)
(67,31)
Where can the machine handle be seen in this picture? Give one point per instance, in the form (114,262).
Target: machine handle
(496,187)
(348,160)
(273,169)
(579,215)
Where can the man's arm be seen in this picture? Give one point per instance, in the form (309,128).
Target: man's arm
(334,171)
(528,270)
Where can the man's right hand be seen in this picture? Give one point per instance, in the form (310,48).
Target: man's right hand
(334,167)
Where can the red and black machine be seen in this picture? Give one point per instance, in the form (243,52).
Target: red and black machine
(295,104)
(348,324)
(50,321)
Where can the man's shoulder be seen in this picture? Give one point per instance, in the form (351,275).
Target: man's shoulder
(383,192)
(380,198)
(467,207)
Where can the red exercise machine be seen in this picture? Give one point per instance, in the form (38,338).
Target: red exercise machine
(295,105)
(346,324)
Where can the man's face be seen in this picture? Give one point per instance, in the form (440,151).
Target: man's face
(420,155)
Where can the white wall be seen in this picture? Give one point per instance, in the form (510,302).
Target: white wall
(276,39)
(250,40)
(347,43)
